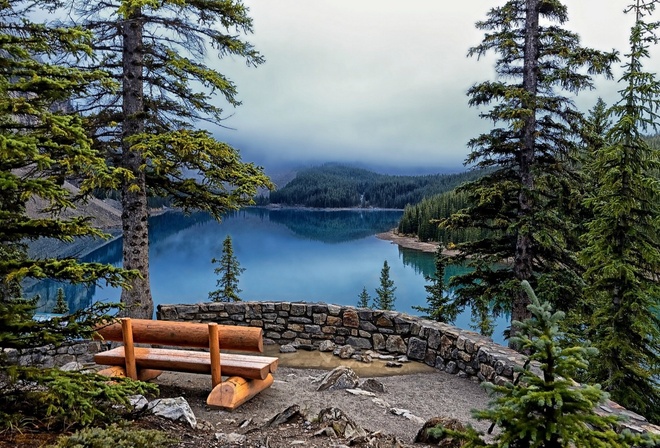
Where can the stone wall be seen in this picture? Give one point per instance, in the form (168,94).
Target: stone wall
(445,347)
(442,346)
(49,356)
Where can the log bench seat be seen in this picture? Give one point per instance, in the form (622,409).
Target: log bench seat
(247,374)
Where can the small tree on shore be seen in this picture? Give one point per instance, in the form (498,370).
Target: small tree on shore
(439,305)
(61,307)
(364,299)
(385,293)
(229,269)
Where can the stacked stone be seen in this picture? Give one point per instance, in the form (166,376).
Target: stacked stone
(445,347)
(442,346)
(50,356)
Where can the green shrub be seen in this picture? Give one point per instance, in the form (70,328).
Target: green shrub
(115,436)
(56,398)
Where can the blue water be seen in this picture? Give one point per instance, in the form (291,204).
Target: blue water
(288,255)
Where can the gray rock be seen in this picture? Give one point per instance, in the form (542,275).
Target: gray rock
(73,366)
(342,425)
(285,416)
(393,364)
(139,402)
(416,348)
(364,393)
(372,385)
(173,409)
(395,344)
(327,346)
(405,413)
(423,435)
(233,438)
(345,351)
(341,377)
(288,348)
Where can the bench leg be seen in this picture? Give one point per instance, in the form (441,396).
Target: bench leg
(142,374)
(235,391)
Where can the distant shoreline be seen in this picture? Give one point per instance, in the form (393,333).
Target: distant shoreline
(413,243)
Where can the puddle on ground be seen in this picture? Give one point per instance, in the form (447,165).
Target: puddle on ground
(303,359)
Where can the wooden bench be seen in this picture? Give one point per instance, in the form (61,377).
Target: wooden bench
(247,374)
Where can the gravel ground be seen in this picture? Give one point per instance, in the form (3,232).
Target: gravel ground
(425,395)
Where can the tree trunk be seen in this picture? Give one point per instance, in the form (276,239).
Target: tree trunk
(137,300)
(522,267)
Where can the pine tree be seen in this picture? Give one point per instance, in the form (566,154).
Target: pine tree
(548,409)
(61,307)
(157,50)
(622,254)
(385,298)
(439,307)
(364,299)
(520,204)
(44,145)
(229,269)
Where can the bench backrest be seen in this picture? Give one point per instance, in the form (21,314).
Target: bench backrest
(186,334)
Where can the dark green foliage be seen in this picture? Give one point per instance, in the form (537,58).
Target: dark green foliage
(521,207)
(62,399)
(622,253)
(364,299)
(158,50)
(43,146)
(115,436)
(335,186)
(229,269)
(422,219)
(385,298)
(439,306)
(545,408)
(61,307)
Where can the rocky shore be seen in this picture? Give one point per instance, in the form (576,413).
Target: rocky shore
(411,242)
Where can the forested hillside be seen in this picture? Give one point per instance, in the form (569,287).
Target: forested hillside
(421,219)
(335,186)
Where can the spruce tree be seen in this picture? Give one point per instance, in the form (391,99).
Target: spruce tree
(622,254)
(385,298)
(44,146)
(364,299)
(229,269)
(158,52)
(519,204)
(544,407)
(439,306)
(61,307)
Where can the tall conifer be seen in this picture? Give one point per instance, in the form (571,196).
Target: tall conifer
(158,52)
(622,254)
(521,198)
(43,146)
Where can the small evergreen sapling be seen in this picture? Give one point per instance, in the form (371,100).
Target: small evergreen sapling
(385,293)
(363,299)
(229,269)
(548,409)
(61,306)
(439,305)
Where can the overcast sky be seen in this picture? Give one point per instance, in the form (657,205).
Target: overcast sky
(378,82)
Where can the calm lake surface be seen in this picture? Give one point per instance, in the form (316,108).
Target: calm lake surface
(288,255)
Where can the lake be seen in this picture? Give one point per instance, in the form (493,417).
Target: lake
(288,255)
